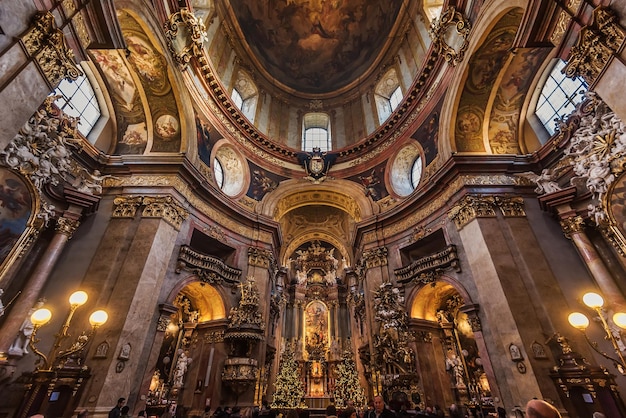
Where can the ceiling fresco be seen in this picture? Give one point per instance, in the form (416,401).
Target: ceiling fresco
(316,46)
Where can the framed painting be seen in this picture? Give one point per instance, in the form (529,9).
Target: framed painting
(18,203)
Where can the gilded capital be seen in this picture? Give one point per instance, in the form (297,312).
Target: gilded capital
(165,207)
(376,257)
(511,206)
(260,257)
(572,225)
(471,207)
(126,206)
(66,226)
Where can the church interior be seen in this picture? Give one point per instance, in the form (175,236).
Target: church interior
(293,203)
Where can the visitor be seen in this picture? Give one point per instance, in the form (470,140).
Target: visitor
(116,411)
(536,408)
(125,412)
(331,411)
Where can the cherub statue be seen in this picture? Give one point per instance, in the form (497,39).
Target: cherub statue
(544,181)
(87,182)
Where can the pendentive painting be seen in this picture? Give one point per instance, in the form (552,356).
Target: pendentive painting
(15,210)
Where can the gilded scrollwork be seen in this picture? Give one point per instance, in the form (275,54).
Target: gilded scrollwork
(210,269)
(511,206)
(451,24)
(427,269)
(185,34)
(471,207)
(376,257)
(46,44)
(595,46)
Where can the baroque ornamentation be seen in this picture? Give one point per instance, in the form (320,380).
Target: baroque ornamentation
(210,269)
(376,257)
(479,206)
(595,46)
(67,226)
(450,25)
(247,314)
(184,34)
(126,206)
(163,322)
(165,207)
(572,225)
(260,257)
(428,269)
(42,148)
(391,342)
(46,44)
(471,207)
(597,150)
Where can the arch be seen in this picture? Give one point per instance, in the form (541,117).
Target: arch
(208,300)
(319,236)
(456,109)
(387,94)
(342,194)
(424,299)
(245,94)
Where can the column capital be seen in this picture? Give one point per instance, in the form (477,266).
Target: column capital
(260,257)
(67,226)
(572,225)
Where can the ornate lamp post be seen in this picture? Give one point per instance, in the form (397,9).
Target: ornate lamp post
(46,368)
(581,322)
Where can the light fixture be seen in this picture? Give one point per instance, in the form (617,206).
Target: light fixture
(42,316)
(581,322)
(48,367)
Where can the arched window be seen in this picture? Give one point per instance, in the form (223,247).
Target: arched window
(559,96)
(218,171)
(388,95)
(416,172)
(245,95)
(79,100)
(316,132)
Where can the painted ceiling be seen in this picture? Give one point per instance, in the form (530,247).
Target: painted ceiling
(316,46)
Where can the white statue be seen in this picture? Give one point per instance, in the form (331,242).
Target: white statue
(89,183)
(20,345)
(1,304)
(181,368)
(544,181)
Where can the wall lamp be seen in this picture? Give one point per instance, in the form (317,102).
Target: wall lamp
(581,322)
(42,316)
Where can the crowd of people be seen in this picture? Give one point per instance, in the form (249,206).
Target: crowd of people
(377,408)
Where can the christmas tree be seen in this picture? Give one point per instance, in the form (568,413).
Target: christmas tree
(289,389)
(347,385)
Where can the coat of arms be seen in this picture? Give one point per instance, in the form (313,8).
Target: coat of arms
(316,164)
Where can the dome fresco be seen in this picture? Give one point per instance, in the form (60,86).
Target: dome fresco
(316,46)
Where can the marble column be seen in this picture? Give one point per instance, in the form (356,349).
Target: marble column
(573,227)
(65,228)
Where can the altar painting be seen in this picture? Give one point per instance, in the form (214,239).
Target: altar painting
(15,210)
(316,330)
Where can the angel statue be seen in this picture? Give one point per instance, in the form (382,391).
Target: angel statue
(544,181)
(87,182)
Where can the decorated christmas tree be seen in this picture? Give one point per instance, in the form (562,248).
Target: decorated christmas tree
(347,385)
(288,387)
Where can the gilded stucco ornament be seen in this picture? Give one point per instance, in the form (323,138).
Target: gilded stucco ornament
(209,269)
(260,257)
(184,34)
(165,207)
(479,206)
(597,43)
(45,43)
(449,34)
(572,225)
(67,226)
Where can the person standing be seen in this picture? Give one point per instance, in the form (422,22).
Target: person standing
(536,408)
(380,410)
(116,412)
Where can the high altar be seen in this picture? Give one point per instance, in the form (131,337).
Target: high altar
(319,332)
